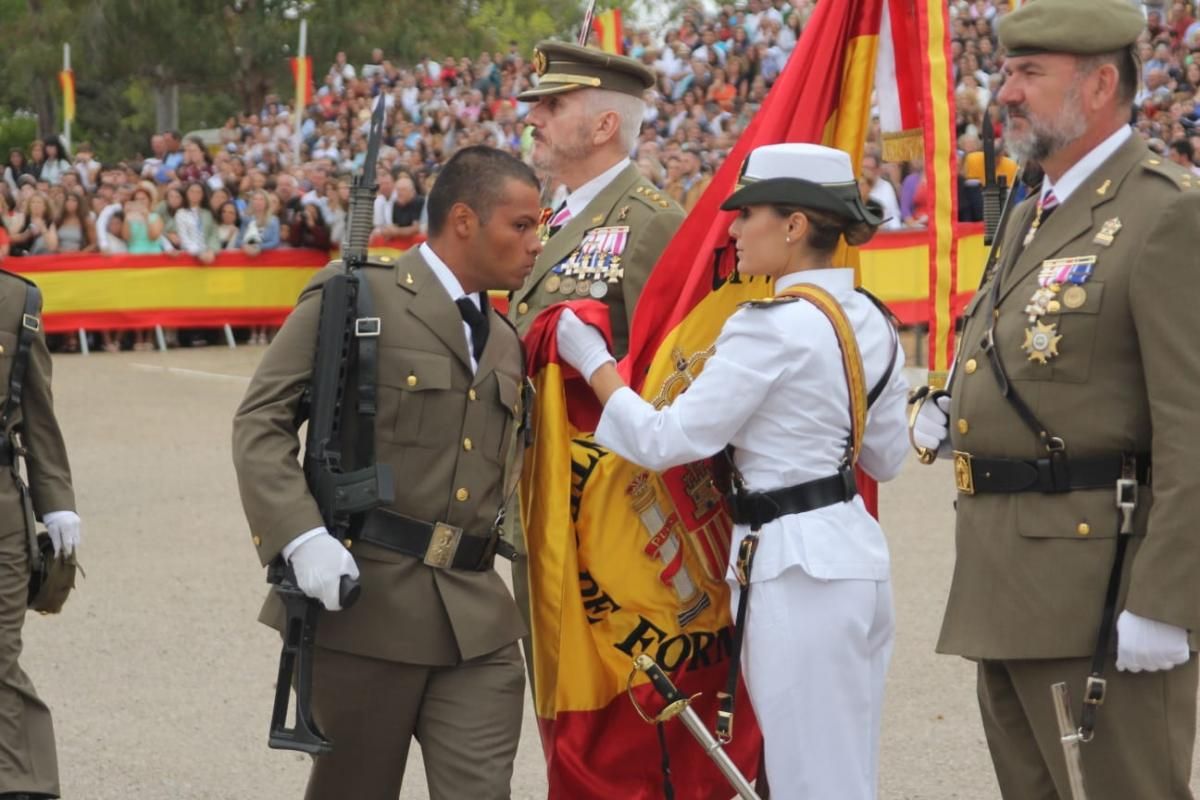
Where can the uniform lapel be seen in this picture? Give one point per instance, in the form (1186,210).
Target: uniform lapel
(432,305)
(569,236)
(491,351)
(1077,215)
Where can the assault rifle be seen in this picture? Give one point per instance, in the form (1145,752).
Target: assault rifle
(339,451)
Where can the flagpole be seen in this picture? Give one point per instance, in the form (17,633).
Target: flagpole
(300,89)
(66,117)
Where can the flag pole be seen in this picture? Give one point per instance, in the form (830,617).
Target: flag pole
(301,80)
(66,117)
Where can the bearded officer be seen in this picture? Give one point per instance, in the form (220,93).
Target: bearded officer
(430,648)
(606,238)
(28,763)
(1077,385)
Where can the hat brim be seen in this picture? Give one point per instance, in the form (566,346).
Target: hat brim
(545,90)
(843,201)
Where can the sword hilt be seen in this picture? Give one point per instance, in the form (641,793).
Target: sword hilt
(676,700)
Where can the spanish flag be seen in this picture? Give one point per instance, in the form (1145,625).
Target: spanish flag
(624,561)
(66,79)
(302,74)
(609,33)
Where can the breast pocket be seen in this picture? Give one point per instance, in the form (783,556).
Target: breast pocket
(411,383)
(1069,346)
(501,421)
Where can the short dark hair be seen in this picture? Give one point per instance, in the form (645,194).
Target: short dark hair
(475,176)
(1184,148)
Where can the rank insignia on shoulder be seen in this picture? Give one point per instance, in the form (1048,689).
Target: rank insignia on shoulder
(1108,232)
(770,302)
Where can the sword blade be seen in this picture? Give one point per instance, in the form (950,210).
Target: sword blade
(1069,736)
(691,721)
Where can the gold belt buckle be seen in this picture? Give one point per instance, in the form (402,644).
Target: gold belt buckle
(443,545)
(962,472)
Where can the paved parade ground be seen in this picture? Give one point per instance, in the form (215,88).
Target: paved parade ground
(161,680)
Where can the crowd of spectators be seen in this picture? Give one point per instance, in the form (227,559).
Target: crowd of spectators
(247,186)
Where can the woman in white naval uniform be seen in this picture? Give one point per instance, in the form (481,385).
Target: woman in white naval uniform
(819,627)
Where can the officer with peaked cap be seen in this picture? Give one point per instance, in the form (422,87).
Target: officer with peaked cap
(604,240)
(808,363)
(1073,422)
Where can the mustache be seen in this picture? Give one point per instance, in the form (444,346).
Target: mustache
(1021,110)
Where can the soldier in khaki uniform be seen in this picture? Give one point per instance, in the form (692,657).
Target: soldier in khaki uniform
(427,651)
(28,763)
(1090,314)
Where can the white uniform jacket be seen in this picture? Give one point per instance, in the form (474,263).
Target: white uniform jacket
(776,390)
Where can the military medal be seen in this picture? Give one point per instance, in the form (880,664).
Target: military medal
(1055,273)
(1041,342)
(567,286)
(552,283)
(1074,297)
(1108,232)
(598,289)
(582,287)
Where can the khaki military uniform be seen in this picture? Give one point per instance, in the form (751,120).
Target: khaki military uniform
(1032,567)
(644,218)
(28,762)
(425,652)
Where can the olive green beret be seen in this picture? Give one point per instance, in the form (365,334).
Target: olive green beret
(566,67)
(1077,27)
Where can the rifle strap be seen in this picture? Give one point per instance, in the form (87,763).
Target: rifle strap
(31,324)
(366,336)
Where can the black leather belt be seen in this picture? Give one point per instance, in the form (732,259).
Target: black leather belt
(758,508)
(1056,474)
(436,543)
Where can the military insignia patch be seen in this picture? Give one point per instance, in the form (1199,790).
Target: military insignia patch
(539,62)
(1108,232)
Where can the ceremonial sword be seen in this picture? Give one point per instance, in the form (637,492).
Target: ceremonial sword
(679,705)
(1071,737)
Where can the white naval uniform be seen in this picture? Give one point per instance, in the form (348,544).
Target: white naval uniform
(820,622)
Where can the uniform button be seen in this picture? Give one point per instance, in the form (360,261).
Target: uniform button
(971,366)
(1083,529)
(462,495)
(412,380)
(348,542)
(523,308)
(963,427)
(467,444)
(471,394)
(257,541)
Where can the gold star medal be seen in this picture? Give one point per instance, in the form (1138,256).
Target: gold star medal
(1041,342)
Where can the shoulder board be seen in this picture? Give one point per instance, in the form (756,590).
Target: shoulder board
(383,262)
(651,197)
(1182,178)
(22,278)
(770,302)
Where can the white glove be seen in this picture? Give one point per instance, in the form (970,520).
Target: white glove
(581,345)
(1147,644)
(64,529)
(319,564)
(931,429)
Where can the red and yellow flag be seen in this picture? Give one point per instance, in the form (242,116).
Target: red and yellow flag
(66,79)
(610,36)
(625,561)
(302,75)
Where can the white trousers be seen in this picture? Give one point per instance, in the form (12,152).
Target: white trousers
(814,656)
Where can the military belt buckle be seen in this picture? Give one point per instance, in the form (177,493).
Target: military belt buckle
(30,322)
(367,326)
(964,480)
(1093,693)
(443,545)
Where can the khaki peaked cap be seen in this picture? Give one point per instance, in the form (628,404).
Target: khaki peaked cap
(565,67)
(1076,27)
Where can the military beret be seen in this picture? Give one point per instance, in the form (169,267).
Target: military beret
(1076,27)
(566,67)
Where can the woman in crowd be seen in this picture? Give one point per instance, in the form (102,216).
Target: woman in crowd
(144,226)
(309,229)
(260,231)
(37,156)
(337,196)
(819,625)
(37,234)
(76,231)
(195,226)
(55,164)
(229,226)
(15,167)
(197,163)
(114,241)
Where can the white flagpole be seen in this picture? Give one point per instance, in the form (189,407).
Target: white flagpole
(66,122)
(299,93)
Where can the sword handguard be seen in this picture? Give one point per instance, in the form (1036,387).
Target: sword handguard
(676,700)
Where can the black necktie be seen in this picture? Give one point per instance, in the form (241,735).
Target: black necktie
(477,320)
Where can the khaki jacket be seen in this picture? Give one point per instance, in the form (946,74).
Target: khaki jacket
(444,431)
(49,472)
(629,201)
(1032,568)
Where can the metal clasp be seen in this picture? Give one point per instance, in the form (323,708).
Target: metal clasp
(1093,693)
(1126,502)
(30,322)
(367,326)
(443,545)
(963,478)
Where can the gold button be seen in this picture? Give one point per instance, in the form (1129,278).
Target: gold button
(257,541)
(412,380)
(1054,307)
(963,426)
(971,366)
(462,495)
(467,444)
(1083,529)
(471,394)
(523,308)
(348,542)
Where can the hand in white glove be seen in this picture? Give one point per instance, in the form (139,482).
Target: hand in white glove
(65,530)
(931,429)
(319,564)
(581,345)
(1147,644)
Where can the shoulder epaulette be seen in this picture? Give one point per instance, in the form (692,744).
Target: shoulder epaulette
(21,278)
(651,197)
(769,302)
(1176,174)
(383,262)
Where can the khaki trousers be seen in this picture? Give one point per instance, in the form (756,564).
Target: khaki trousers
(467,719)
(28,762)
(1145,730)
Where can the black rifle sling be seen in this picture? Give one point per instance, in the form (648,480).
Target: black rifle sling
(31,323)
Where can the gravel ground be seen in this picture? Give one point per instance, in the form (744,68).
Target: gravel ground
(161,680)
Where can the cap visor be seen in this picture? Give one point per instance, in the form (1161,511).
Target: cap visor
(542,91)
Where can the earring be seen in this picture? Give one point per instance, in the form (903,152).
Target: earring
(787,239)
